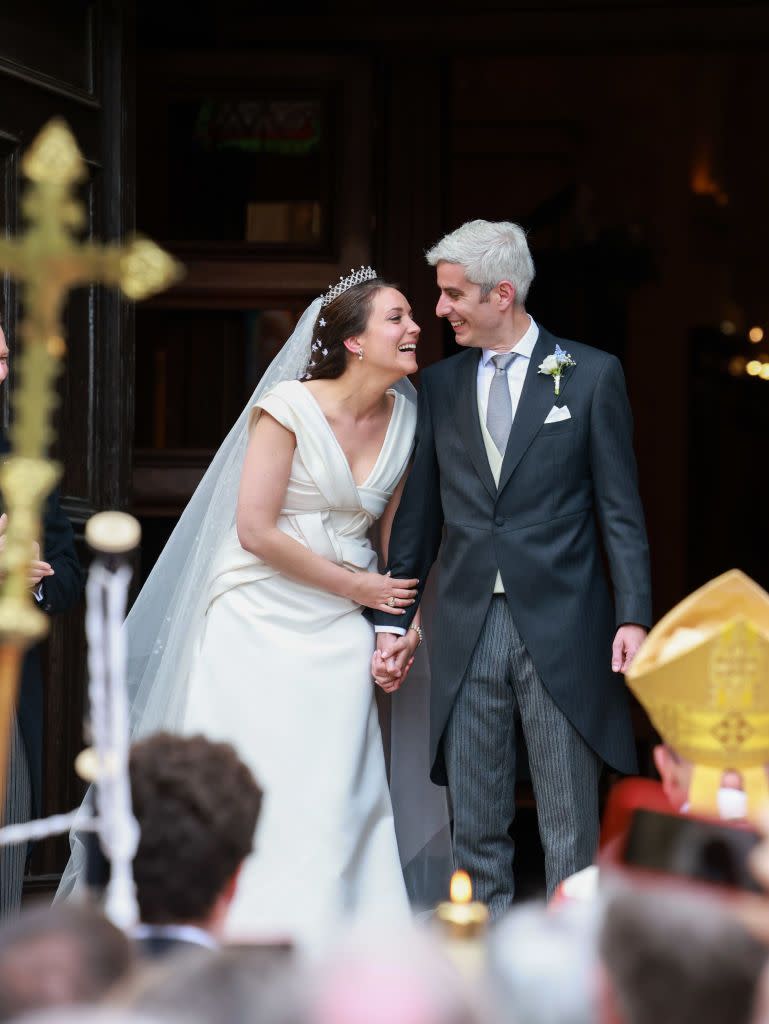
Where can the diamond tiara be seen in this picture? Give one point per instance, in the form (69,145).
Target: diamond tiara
(355,277)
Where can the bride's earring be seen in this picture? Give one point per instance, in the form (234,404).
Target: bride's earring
(360,353)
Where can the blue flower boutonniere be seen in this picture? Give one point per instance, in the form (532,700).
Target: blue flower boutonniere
(554,366)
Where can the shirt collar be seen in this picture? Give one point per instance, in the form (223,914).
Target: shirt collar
(524,347)
(182,932)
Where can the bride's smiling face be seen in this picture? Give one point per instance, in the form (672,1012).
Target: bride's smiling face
(390,339)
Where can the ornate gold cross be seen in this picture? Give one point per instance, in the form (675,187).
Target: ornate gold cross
(48,260)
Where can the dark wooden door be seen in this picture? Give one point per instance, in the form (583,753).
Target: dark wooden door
(74,60)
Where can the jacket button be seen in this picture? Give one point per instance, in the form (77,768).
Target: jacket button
(499,521)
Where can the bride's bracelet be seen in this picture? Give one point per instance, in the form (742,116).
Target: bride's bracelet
(418,631)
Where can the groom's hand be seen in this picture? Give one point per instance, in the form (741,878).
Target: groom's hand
(392,659)
(625,647)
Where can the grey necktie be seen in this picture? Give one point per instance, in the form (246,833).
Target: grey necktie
(499,413)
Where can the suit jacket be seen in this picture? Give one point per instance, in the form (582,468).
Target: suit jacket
(60,592)
(565,489)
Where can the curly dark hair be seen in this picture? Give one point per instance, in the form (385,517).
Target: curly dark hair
(347,315)
(197,805)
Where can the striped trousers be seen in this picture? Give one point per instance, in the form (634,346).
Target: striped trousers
(479,748)
(17,808)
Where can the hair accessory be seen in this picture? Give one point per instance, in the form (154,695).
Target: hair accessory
(353,278)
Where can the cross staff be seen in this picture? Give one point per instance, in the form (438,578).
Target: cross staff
(48,261)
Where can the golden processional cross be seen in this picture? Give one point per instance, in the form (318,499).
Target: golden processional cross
(48,261)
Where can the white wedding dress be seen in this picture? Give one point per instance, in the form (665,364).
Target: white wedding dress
(282,671)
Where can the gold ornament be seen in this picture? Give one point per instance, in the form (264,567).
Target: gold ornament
(48,261)
(703,676)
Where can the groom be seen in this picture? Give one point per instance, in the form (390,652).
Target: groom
(519,477)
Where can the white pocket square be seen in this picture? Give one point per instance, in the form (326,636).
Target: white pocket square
(558,413)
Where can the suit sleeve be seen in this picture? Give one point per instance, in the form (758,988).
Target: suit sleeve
(418,525)
(62,590)
(618,501)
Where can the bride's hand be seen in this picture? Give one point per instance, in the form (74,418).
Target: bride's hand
(393,659)
(383,593)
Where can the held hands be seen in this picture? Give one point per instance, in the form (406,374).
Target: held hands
(393,658)
(37,570)
(625,647)
(383,593)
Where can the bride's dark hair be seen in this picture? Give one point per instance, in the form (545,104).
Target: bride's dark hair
(347,315)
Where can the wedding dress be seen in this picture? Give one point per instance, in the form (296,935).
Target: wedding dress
(220,643)
(283,673)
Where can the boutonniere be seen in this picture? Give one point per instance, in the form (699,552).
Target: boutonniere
(554,366)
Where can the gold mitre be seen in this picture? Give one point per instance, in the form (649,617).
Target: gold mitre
(703,676)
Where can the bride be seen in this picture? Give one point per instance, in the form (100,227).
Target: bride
(250,628)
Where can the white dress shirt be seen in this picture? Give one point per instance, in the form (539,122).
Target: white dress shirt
(516,371)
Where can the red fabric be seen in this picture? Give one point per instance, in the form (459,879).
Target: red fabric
(624,799)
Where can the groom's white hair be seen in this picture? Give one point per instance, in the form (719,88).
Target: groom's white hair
(490,252)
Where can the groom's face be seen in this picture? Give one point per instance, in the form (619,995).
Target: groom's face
(476,323)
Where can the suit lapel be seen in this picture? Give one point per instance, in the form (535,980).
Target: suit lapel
(467,417)
(537,399)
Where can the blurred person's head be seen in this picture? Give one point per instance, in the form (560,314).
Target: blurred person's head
(543,965)
(59,956)
(197,805)
(672,955)
(675,773)
(761,1004)
(236,985)
(104,1014)
(385,975)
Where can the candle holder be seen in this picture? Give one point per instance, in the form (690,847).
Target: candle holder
(463,922)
